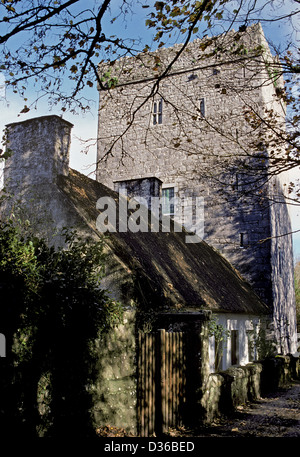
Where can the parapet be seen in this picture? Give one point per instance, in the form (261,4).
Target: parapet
(205,52)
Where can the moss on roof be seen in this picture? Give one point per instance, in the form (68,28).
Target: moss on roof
(184,275)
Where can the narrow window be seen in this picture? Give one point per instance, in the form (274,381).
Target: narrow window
(157,112)
(168,201)
(235,182)
(234,337)
(243,240)
(194,212)
(202,107)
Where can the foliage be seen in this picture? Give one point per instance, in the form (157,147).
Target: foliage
(263,341)
(111,431)
(220,335)
(52,312)
(62,48)
(67,39)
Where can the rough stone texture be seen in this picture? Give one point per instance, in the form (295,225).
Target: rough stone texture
(227,390)
(212,397)
(278,371)
(189,150)
(60,197)
(39,154)
(236,388)
(40,144)
(115,393)
(254,374)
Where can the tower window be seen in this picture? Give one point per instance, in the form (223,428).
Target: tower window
(243,240)
(202,106)
(168,201)
(157,112)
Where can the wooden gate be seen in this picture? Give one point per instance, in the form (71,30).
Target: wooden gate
(161,381)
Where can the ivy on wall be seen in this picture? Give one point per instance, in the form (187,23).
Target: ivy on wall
(52,311)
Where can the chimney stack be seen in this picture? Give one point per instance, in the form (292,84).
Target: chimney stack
(39,152)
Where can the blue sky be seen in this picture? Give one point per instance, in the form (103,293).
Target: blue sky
(85,125)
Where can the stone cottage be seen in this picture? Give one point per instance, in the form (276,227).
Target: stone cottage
(199,127)
(168,286)
(192,246)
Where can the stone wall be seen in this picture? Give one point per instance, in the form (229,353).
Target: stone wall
(191,151)
(115,393)
(204,147)
(226,390)
(39,149)
(284,308)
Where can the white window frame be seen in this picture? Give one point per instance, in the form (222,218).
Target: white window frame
(157,112)
(169,186)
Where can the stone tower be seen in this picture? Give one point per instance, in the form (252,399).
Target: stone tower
(195,127)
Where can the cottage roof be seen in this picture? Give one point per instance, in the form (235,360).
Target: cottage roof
(182,275)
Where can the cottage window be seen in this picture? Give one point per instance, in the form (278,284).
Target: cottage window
(234,338)
(157,112)
(168,201)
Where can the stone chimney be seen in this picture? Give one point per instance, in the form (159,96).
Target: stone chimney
(39,152)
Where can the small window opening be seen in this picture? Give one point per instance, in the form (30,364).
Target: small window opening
(194,213)
(168,201)
(202,107)
(243,240)
(157,112)
(234,337)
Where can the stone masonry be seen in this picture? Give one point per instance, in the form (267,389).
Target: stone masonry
(189,127)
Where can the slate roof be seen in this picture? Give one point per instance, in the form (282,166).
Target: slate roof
(190,276)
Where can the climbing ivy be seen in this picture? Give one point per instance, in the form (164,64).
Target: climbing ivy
(220,334)
(52,311)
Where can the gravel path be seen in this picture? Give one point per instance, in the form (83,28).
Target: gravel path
(275,415)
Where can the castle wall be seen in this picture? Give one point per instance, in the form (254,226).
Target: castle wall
(284,308)
(199,148)
(193,131)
